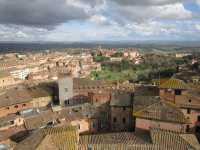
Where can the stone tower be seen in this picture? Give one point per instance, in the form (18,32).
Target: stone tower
(65,85)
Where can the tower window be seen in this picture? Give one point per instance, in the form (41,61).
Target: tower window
(68,102)
(177,92)
(114,119)
(93,125)
(188,111)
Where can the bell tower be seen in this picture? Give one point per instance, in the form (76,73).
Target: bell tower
(65,86)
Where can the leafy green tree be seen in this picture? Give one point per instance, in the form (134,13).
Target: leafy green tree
(101,58)
(117,54)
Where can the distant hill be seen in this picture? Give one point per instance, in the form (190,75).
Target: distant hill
(161,45)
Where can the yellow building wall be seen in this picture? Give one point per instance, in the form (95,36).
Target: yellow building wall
(41,101)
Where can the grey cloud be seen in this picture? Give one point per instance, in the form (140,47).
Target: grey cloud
(125,14)
(49,13)
(22,33)
(146,2)
(93,3)
(31,19)
(39,13)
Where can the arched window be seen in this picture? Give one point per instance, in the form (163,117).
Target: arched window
(124,120)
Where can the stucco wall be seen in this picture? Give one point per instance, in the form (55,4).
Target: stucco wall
(4,111)
(82,124)
(147,124)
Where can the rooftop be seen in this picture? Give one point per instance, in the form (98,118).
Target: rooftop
(51,138)
(121,99)
(162,111)
(81,83)
(14,96)
(174,84)
(39,120)
(170,139)
(6,120)
(4,74)
(111,138)
(20,95)
(124,147)
(67,138)
(43,118)
(141,102)
(147,90)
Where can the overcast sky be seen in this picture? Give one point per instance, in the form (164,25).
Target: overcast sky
(97,20)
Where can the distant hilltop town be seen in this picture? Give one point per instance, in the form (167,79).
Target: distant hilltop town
(104,99)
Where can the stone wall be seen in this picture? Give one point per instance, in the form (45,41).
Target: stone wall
(65,89)
(121,119)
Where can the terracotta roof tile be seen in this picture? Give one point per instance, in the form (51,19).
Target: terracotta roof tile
(174,84)
(123,147)
(141,102)
(21,95)
(170,139)
(162,111)
(111,138)
(43,118)
(121,99)
(39,120)
(60,138)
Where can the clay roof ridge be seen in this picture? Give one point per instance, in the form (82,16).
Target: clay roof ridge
(161,114)
(174,83)
(143,109)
